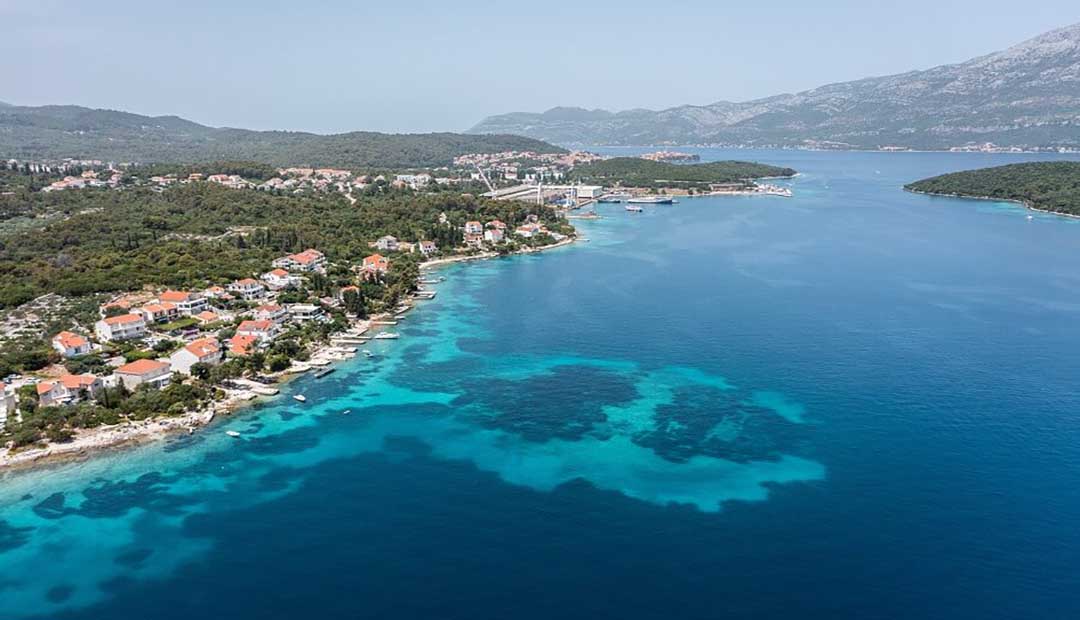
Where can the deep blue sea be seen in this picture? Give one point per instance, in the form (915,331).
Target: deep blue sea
(853,403)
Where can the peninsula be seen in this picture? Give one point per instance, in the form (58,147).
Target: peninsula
(1051,186)
(664,177)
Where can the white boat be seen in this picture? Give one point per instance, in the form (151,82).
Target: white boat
(634,208)
(368,353)
(652,200)
(386,336)
(232,433)
(300,397)
(346,412)
(1031,217)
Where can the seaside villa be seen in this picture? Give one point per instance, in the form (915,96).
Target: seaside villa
(374,265)
(123,327)
(156,374)
(201,351)
(68,389)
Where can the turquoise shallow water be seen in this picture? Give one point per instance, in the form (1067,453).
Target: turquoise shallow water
(853,402)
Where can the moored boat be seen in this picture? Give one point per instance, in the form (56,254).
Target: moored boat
(300,397)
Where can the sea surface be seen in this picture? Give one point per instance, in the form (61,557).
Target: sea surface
(852,403)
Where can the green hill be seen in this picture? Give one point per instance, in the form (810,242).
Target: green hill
(54,132)
(1049,185)
(636,172)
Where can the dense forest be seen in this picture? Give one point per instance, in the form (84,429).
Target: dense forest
(55,132)
(636,172)
(98,240)
(1049,185)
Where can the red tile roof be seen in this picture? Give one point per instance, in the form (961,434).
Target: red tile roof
(142,367)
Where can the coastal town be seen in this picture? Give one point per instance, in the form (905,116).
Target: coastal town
(154,358)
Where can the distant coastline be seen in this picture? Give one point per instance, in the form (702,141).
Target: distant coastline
(1027,205)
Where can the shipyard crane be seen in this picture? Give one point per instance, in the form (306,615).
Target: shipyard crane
(483,176)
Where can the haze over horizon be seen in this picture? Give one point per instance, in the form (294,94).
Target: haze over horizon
(436,67)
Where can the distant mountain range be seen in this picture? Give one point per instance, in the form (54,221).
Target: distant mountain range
(1027,95)
(54,132)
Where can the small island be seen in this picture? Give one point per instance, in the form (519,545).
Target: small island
(688,179)
(1050,186)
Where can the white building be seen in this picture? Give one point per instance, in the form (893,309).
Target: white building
(201,351)
(308,260)
(70,345)
(123,327)
(155,373)
(68,389)
(187,303)
(247,289)
(278,279)
(7,403)
(387,244)
(305,312)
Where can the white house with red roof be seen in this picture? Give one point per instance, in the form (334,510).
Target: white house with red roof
(374,265)
(308,260)
(247,289)
(186,302)
(158,313)
(280,279)
(474,228)
(262,329)
(155,373)
(427,248)
(494,235)
(201,351)
(68,389)
(243,345)
(122,327)
(271,312)
(70,344)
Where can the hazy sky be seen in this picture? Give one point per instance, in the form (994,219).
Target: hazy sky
(427,66)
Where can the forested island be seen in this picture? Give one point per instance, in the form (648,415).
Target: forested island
(637,172)
(1052,186)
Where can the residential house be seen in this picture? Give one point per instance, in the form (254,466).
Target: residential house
(528,230)
(154,373)
(427,248)
(68,389)
(278,279)
(262,329)
(215,292)
(243,345)
(499,224)
(494,235)
(247,289)
(158,313)
(71,345)
(374,265)
(387,244)
(308,260)
(474,228)
(207,317)
(302,313)
(271,312)
(186,302)
(122,327)
(201,351)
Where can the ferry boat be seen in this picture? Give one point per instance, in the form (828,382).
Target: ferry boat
(652,200)
(634,208)
(386,336)
(300,397)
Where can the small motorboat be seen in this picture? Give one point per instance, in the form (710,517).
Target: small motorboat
(300,397)
(634,208)
(232,433)
(346,412)
(386,336)
(368,353)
